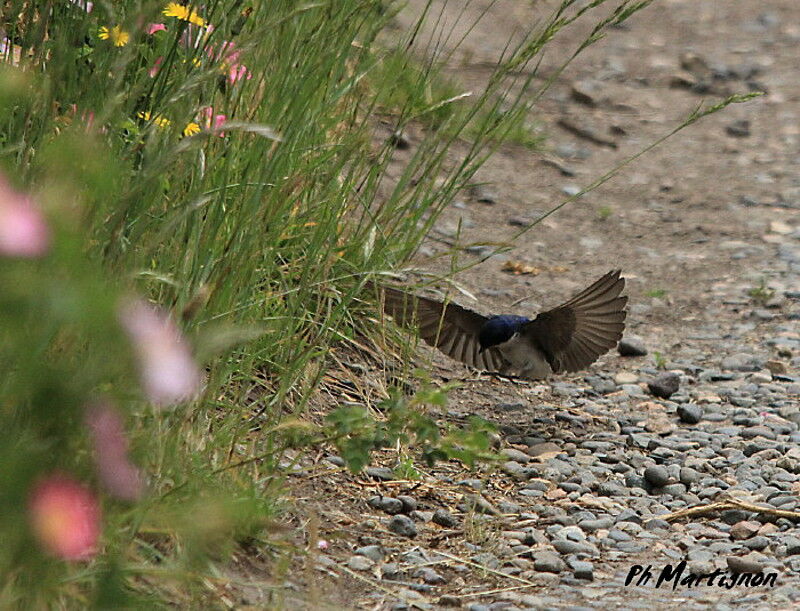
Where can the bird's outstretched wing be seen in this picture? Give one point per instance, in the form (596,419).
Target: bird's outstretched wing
(450,328)
(573,335)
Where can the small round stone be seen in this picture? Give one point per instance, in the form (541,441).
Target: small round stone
(442,517)
(409,503)
(792,545)
(360,563)
(547,562)
(388,504)
(757,543)
(582,570)
(664,385)
(656,524)
(373,552)
(428,575)
(751,563)
(656,475)
(631,346)
(593,525)
(403,526)
(744,530)
(690,413)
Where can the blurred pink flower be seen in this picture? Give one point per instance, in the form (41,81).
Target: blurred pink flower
(152,28)
(169,374)
(86,116)
(238,72)
(212,121)
(229,56)
(65,517)
(322,545)
(120,477)
(23,231)
(155,67)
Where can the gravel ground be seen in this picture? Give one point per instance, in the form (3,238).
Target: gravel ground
(702,403)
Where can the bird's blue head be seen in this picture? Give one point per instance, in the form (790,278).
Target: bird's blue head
(499,329)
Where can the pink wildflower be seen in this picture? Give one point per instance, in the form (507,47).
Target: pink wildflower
(65,517)
(118,474)
(212,121)
(155,67)
(152,28)
(229,56)
(23,230)
(169,374)
(238,72)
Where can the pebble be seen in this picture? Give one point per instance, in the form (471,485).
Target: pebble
(409,503)
(631,346)
(484,194)
(657,475)
(386,504)
(594,525)
(403,526)
(486,559)
(582,570)
(547,562)
(430,576)
(391,570)
(475,502)
(757,543)
(382,473)
(335,460)
(751,563)
(373,552)
(515,455)
(792,545)
(689,476)
(625,377)
(360,563)
(657,524)
(567,547)
(738,129)
(742,361)
(744,530)
(442,517)
(690,413)
(664,385)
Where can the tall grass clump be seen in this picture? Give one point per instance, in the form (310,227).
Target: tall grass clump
(191,197)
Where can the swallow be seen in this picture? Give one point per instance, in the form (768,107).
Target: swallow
(567,338)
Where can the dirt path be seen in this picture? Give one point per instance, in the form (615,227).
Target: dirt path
(706,229)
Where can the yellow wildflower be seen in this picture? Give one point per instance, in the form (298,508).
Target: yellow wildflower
(156,119)
(183,13)
(117,35)
(191,129)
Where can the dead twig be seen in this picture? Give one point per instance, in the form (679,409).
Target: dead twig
(486,568)
(378,586)
(495,591)
(730,503)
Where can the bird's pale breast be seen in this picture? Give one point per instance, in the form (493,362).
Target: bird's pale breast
(525,359)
